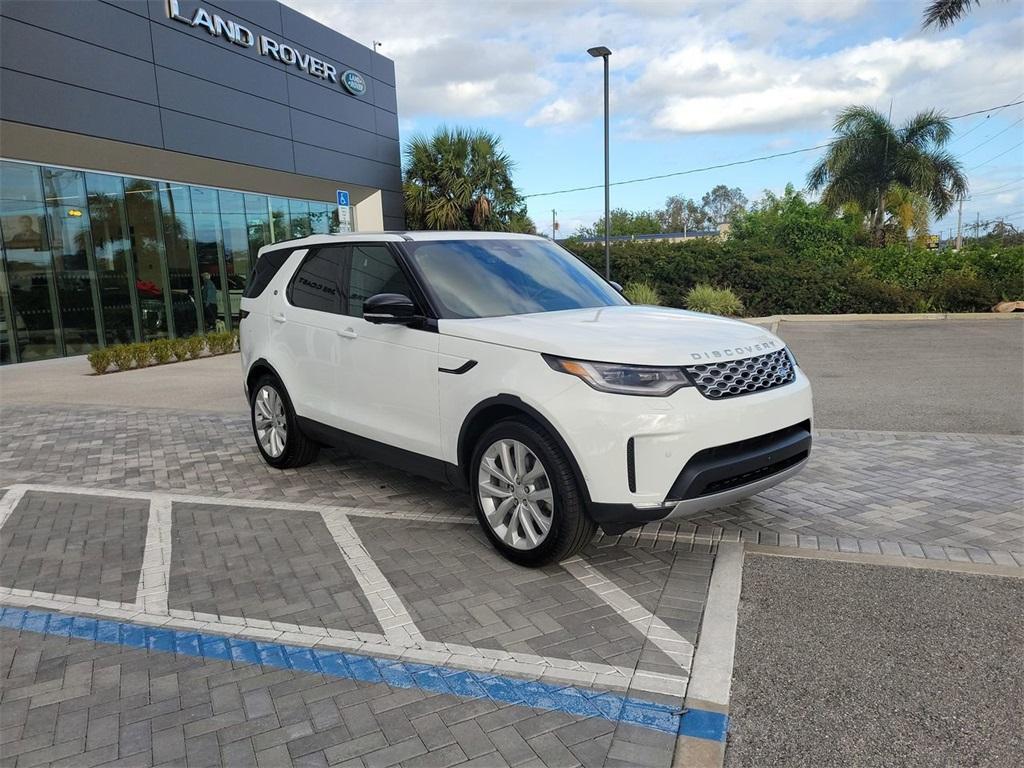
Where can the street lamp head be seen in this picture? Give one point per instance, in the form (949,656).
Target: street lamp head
(599,52)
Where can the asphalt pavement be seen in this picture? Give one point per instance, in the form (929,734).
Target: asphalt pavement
(914,376)
(842,664)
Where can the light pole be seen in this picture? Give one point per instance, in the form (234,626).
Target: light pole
(600,52)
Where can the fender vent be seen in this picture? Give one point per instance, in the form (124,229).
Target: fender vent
(631,464)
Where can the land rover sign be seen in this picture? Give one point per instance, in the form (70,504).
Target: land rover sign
(236,33)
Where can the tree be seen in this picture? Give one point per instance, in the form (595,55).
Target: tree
(461,179)
(870,155)
(907,211)
(681,214)
(624,223)
(945,13)
(721,204)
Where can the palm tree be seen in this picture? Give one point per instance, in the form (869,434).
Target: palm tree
(461,179)
(945,13)
(870,155)
(907,210)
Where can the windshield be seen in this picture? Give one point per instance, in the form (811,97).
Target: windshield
(490,278)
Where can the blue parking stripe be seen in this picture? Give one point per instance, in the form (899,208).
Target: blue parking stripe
(583,702)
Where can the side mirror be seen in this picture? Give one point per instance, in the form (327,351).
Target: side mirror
(389,308)
(616,286)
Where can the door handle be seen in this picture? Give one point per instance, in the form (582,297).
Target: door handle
(348,333)
(279,318)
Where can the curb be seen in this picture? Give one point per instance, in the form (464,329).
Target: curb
(711,672)
(855,318)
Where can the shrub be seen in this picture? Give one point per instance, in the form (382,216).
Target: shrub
(163,350)
(963,292)
(179,348)
(123,355)
(195,345)
(641,293)
(714,301)
(100,359)
(220,343)
(142,353)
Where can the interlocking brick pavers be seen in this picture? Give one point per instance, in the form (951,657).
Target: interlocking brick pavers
(946,490)
(263,564)
(86,546)
(301,717)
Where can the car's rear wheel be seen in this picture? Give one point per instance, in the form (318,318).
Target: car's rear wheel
(282,444)
(527,498)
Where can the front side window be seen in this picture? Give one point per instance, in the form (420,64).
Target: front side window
(492,278)
(374,271)
(317,283)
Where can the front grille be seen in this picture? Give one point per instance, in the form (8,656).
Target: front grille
(742,377)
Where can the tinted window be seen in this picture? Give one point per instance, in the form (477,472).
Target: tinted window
(317,284)
(266,267)
(490,278)
(374,271)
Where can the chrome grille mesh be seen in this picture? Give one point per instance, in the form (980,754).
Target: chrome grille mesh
(741,377)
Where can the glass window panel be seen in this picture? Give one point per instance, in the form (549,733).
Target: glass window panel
(179,245)
(209,244)
(320,218)
(232,202)
(146,236)
(71,246)
(317,284)
(279,219)
(257,219)
(204,200)
(373,271)
(112,255)
(236,260)
(33,317)
(299,218)
(8,333)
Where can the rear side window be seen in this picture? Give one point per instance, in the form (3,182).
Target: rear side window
(317,284)
(266,267)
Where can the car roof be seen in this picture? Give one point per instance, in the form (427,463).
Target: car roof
(395,237)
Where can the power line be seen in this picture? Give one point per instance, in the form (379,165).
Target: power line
(996,190)
(990,138)
(1015,146)
(759,159)
(996,111)
(682,173)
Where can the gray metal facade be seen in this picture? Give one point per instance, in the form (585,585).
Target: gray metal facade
(123,70)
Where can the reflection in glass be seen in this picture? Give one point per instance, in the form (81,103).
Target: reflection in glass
(257,220)
(236,254)
(112,257)
(146,236)
(299,218)
(32,317)
(70,244)
(179,244)
(279,219)
(206,215)
(320,218)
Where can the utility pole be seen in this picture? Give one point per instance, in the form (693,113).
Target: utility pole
(554,225)
(959,226)
(977,225)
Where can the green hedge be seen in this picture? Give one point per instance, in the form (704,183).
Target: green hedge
(123,356)
(835,277)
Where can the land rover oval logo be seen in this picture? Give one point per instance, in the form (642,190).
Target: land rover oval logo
(353,82)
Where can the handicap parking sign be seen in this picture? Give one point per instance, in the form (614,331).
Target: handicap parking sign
(343,197)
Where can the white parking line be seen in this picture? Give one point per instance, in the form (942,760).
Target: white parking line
(402,639)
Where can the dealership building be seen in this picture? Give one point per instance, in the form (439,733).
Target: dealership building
(149,149)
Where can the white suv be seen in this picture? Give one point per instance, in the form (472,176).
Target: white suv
(502,364)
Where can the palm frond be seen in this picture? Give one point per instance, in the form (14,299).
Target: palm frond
(945,13)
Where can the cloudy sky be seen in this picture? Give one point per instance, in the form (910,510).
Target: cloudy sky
(695,84)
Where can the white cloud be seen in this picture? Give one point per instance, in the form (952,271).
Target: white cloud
(558,112)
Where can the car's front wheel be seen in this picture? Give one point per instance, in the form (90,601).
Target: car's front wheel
(527,498)
(275,427)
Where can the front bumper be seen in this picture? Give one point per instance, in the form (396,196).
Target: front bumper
(667,434)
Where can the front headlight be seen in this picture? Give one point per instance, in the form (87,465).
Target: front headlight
(644,380)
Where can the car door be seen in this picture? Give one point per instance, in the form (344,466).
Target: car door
(393,376)
(307,348)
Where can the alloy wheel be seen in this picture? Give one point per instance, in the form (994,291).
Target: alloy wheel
(271,421)
(515,494)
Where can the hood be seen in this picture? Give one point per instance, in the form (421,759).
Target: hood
(622,334)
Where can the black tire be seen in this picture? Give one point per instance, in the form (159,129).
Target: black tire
(299,450)
(571,527)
